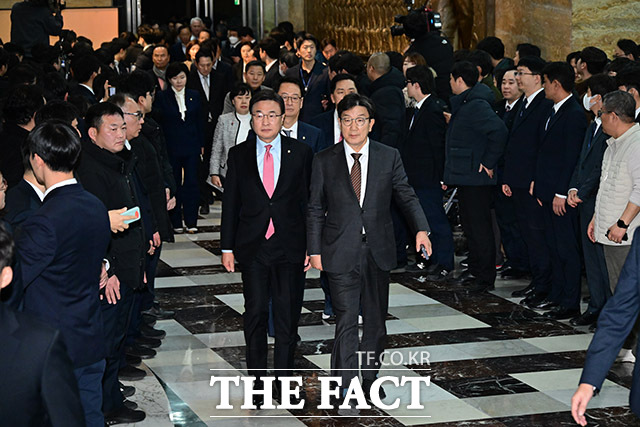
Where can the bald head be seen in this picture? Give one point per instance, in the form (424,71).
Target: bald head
(378,65)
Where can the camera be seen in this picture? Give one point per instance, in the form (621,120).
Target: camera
(57,5)
(418,20)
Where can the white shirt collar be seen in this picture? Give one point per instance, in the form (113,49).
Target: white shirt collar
(557,106)
(510,104)
(293,129)
(60,184)
(531,97)
(419,104)
(270,64)
(88,87)
(336,127)
(36,189)
(637,112)
(348,150)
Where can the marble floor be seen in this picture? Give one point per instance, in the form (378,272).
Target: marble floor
(491,362)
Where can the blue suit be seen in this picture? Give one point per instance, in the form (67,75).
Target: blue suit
(22,202)
(614,325)
(312,136)
(324,122)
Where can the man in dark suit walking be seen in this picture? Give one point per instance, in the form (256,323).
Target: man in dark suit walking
(584,185)
(350,234)
(61,249)
(329,122)
(292,93)
(263,216)
(423,158)
(38,385)
(560,145)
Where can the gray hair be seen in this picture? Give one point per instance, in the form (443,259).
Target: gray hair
(621,103)
(194,20)
(380,62)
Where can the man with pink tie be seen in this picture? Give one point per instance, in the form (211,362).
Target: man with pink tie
(263,228)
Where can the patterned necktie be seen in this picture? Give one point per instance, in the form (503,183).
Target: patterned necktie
(205,80)
(356,174)
(268,181)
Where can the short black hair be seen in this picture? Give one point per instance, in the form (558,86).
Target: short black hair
(137,83)
(160,46)
(56,143)
(573,55)
(293,80)
(96,112)
(307,37)
(535,64)
(22,103)
(54,86)
(239,89)
(176,68)
(528,49)
(288,58)
(83,67)
(498,74)
(6,247)
(493,46)
(422,75)
(618,64)
(481,59)
(255,63)
(467,70)
(246,31)
(22,74)
(57,110)
(270,46)
(351,63)
(212,43)
(356,100)
(595,59)
(629,47)
(286,26)
(629,77)
(204,53)
(601,84)
(267,95)
(562,72)
(338,78)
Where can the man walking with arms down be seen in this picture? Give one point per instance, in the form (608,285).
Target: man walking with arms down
(350,234)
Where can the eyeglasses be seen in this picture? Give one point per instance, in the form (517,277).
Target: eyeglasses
(522,73)
(4,185)
(360,121)
(292,98)
(261,116)
(601,112)
(138,114)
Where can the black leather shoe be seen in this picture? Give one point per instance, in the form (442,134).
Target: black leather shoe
(440,274)
(204,209)
(465,278)
(546,305)
(148,331)
(130,373)
(123,415)
(465,262)
(366,387)
(561,313)
(159,313)
(479,287)
(587,318)
(127,390)
(140,351)
(130,404)
(149,320)
(512,273)
(534,299)
(148,342)
(132,360)
(593,327)
(524,292)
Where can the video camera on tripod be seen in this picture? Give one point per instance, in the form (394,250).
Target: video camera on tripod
(423,15)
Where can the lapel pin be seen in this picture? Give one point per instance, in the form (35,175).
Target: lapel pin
(288,151)
(304,137)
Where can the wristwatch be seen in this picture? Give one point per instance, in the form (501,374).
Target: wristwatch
(621,224)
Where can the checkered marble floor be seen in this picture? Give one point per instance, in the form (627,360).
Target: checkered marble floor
(492,362)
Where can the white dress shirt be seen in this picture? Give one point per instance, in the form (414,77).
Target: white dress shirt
(60,184)
(245,127)
(37,190)
(182,106)
(293,130)
(276,152)
(531,97)
(337,133)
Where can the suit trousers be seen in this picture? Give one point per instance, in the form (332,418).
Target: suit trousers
(475,214)
(366,286)
(206,191)
(185,172)
(90,387)
(531,222)
(561,235)
(270,274)
(515,247)
(594,262)
(431,200)
(116,319)
(616,257)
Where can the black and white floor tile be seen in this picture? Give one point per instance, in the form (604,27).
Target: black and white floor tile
(492,362)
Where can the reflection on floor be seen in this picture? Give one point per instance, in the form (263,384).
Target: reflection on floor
(491,361)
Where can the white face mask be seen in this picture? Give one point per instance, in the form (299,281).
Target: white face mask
(588,101)
(233,40)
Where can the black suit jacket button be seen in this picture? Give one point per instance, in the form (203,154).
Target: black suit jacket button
(270,203)
(361,210)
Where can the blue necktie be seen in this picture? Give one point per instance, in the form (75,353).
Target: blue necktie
(553,113)
(524,106)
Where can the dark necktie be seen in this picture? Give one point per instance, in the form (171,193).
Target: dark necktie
(524,106)
(356,174)
(287,132)
(416,111)
(553,113)
(591,136)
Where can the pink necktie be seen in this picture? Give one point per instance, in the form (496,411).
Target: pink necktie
(267,181)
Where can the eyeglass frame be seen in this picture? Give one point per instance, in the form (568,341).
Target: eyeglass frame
(293,98)
(271,116)
(522,73)
(138,114)
(348,121)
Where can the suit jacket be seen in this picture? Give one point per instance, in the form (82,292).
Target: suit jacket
(424,146)
(324,122)
(335,218)
(246,207)
(223,139)
(176,53)
(21,202)
(184,137)
(586,175)
(614,324)
(312,136)
(317,87)
(508,117)
(387,96)
(152,130)
(272,78)
(61,249)
(12,138)
(79,90)
(220,82)
(559,150)
(38,384)
(524,142)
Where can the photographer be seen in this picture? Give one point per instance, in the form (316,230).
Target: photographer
(435,49)
(33,21)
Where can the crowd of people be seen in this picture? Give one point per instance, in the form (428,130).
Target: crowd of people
(107,152)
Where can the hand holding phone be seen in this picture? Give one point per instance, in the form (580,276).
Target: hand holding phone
(424,252)
(134,212)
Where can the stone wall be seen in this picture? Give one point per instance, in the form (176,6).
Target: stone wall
(602,23)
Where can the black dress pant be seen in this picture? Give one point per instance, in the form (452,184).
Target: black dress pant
(475,204)
(365,286)
(270,274)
